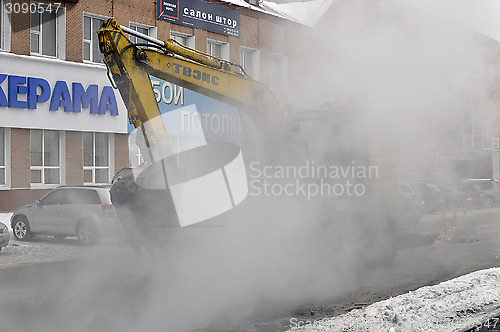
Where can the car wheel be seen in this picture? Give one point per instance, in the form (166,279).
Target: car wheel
(488,201)
(86,233)
(21,229)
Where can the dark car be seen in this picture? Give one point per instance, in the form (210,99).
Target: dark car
(82,211)
(411,193)
(431,195)
(485,191)
(454,197)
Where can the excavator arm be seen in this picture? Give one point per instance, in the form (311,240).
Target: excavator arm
(143,210)
(132,64)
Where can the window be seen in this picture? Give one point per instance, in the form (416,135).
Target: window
(250,61)
(218,49)
(135,155)
(2,11)
(81,196)
(279,75)
(45,156)
(91,23)
(183,38)
(144,29)
(474,129)
(47,31)
(4,158)
(55,197)
(96,157)
(4,26)
(3,150)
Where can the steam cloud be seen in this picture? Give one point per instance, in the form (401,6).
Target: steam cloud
(399,74)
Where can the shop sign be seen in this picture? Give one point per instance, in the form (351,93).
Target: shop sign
(44,93)
(27,92)
(200,14)
(207,115)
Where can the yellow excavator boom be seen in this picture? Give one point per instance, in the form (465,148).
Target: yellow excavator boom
(132,64)
(145,210)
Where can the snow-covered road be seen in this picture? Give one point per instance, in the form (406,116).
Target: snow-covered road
(395,299)
(434,288)
(455,305)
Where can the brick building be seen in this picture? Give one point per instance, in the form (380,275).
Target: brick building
(52,133)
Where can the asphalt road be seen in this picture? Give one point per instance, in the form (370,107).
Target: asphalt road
(110,288)
(469,242)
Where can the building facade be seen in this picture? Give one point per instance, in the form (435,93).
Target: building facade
(62,123)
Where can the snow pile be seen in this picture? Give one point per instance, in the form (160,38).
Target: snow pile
(454,305)
(307,13)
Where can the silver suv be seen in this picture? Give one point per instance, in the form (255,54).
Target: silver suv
(82,211)
(488,189)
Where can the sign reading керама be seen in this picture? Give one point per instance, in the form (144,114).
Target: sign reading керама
(201,14)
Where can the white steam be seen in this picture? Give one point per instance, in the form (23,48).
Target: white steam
(402,72)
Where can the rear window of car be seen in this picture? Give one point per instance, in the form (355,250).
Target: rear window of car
(484,185)
(81,196)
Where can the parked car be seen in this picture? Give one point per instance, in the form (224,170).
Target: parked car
(407,190)
(82,211)
(429,193)
(454,197)
(487,190)
(4,235)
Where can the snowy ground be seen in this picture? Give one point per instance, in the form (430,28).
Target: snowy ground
(471,301)
(399,298)
(455,305)
(47,249)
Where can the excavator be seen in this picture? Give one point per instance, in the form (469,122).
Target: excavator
(153,198)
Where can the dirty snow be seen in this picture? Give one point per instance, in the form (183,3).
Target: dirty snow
(454,305)
(47,249)
(307,12)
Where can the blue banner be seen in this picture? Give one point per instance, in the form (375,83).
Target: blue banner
(199,113)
